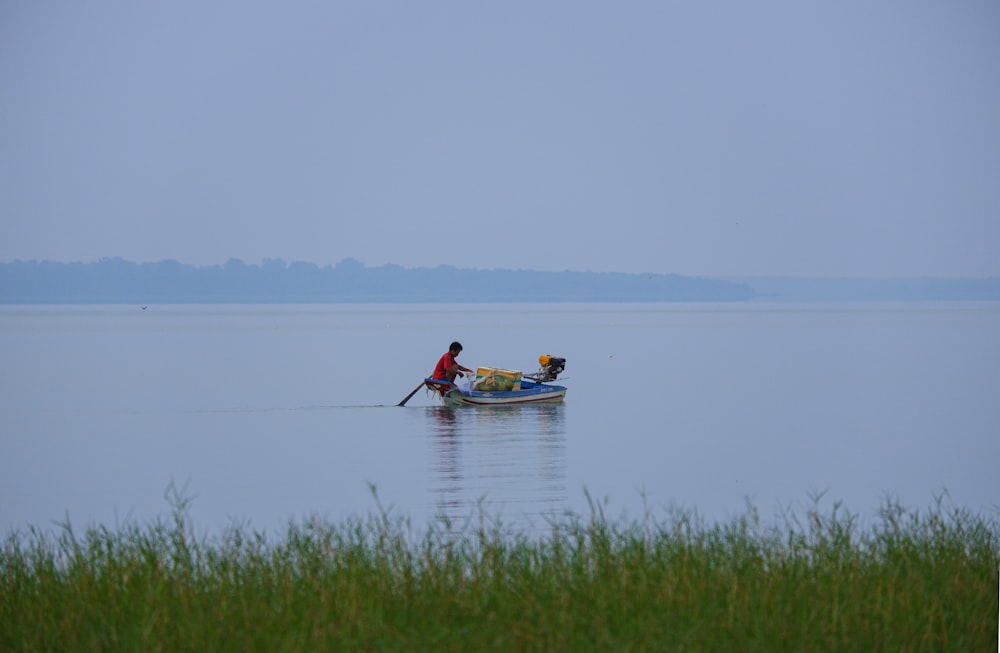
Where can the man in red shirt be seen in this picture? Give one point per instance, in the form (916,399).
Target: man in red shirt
(447,367)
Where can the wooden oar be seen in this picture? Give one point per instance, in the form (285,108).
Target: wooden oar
(407,397)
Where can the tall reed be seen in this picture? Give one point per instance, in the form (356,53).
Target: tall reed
(909,581)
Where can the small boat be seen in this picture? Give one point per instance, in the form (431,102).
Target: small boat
(529,393)
(527,389)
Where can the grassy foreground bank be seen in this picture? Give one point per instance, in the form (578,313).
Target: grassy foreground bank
(907,581)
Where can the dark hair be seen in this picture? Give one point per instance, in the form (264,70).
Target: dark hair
(455,346)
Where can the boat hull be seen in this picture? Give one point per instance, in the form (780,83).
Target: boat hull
(530,393)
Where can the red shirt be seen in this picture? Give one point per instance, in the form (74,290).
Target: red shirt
(444,363)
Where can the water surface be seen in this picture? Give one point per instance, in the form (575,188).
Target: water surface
(264,413)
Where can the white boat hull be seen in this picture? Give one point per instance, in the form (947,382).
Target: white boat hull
(530,393)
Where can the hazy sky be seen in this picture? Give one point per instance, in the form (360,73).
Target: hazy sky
(711,138)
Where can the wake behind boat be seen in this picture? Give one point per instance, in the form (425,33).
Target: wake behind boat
(499,387)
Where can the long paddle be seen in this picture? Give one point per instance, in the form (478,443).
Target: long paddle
(407,397)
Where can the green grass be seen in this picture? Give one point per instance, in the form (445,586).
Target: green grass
(906,581)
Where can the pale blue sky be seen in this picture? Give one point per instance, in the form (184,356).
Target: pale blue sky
(849,138)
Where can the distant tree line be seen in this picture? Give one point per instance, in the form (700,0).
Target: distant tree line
(115,280)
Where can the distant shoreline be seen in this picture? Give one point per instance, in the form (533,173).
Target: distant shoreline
(117,281)
(823,289)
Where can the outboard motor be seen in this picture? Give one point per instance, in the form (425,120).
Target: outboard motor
(551,367)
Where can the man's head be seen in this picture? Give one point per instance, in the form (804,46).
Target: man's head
(455,348)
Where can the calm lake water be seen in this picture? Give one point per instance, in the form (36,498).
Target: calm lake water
(265,413)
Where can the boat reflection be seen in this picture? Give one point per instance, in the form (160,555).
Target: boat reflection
(503,462)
